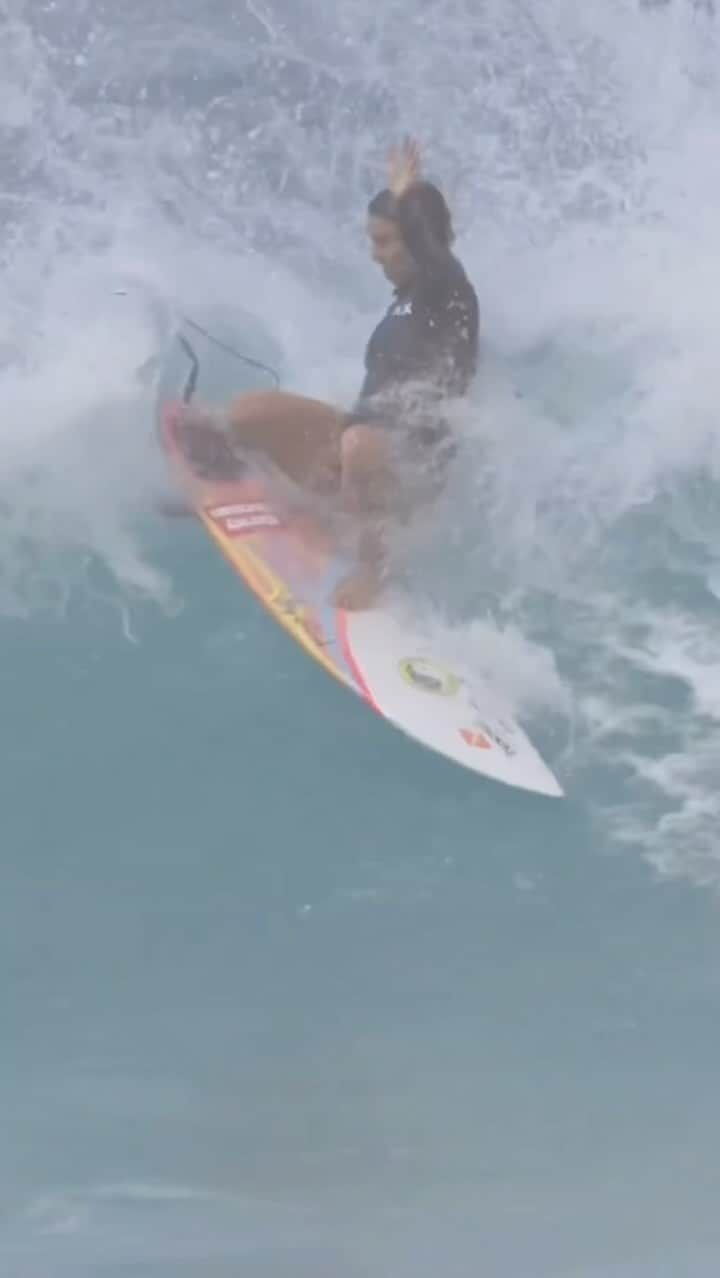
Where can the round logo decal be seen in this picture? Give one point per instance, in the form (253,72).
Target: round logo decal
(429,677)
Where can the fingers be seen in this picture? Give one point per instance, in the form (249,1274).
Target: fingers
(412,154)
(403,165)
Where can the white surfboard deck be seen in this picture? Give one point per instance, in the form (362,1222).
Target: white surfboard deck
(438,704)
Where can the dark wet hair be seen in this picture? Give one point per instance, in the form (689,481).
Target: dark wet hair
(422,201)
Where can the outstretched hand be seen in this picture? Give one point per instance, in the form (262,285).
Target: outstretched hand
(403,167)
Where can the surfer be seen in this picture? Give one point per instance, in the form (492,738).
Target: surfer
(391,452)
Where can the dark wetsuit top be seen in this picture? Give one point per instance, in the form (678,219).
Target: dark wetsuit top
(425,348)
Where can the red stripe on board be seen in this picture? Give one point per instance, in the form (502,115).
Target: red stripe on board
(341,622)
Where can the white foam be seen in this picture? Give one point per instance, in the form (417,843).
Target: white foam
(575,142)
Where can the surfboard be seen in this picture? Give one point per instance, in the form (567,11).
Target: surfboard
(286,556)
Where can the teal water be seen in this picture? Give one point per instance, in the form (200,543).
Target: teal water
(283,994)
(285,1014)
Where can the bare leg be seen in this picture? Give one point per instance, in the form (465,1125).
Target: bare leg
(301,435)
(368,488)
(308,441)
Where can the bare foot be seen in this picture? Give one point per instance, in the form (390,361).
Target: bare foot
(359,590)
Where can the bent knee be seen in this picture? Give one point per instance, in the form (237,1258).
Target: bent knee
(364,447)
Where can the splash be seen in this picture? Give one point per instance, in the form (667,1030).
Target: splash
(230,164)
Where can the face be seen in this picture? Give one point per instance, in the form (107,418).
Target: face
(389,251)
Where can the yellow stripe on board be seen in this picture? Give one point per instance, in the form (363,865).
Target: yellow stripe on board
(294,616)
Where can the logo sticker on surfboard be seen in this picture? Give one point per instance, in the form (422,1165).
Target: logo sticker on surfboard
(242,518)
(476,740)
(429,677)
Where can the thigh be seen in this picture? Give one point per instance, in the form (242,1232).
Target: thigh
(301,435)
(406,464)
(365,447)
